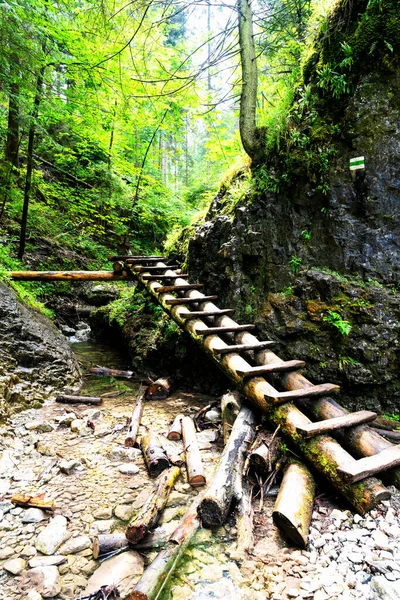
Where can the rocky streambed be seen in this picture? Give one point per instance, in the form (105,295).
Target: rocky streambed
(97,484)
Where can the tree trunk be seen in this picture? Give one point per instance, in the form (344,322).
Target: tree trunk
(68,276)
(159,390)
(130,440)
(175,430)
(244,523)
(12,142)
(230,407)
(151,511)
(65,399)
(29,164)
(214,507)
(252,141)
(194,466)
(294,504)
(155,458)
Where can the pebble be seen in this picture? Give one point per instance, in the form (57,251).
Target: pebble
(68,466)
(46,561)
(76,544)
(52,536)
(129,469)
(15,566)
(33,515)
(41,426)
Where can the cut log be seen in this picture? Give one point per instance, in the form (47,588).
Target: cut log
(146,277)
(175,453)
(389,433)
(259,461)
(230,407)
(243,347)
(365,467)
(68,276)
(163,289)
(244,522)
(129,257)
(279,367)
(33,501)
(194,466)
(105,371)
(177,301)
(154,269)
(154,456)
(136,260)
(214,507)
(155,577)
(159,390)
(131,438)
(312,391)
(175,430)
(151,511)
(107,543)
(200,314)
(294,504)
(230,329)
(356,418)
(66,399)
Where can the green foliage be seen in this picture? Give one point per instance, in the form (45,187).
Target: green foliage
(337,321)
(347,361)
(306,235)
(295,264)
(392,417)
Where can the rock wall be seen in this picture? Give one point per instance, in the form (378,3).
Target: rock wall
(35,359)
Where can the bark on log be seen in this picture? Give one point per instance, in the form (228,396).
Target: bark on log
(68,276)
(294,504)
(361,440)
(130,440)
(155,577)
(65,399)
(159,390)
(108,542)
(151,511)
(105,371)
(194,466)
(389,433)
(259,460)
(175,430)
(230,407)
(244,522)
(323,452)
(33,502)
(154,456)
(118,266)
(214,507)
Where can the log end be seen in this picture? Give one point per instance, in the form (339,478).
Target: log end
(135,533)
(96,547)
(210,513)
(287,527)
(156,467)
(138,596)
(197,481)
(174,435)
(130,443)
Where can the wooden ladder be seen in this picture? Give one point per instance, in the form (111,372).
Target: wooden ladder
(233,348)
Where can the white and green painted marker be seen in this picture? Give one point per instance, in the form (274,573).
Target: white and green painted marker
(357,163)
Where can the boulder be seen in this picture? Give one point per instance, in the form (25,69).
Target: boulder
(52,536)
(123,571)
(45,580)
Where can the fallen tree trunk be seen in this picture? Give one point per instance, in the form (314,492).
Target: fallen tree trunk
(65,399)
(108,543)
(130,440)
(214,507)
(194,466)
(259,460)
(159,390)
(175,430)
(230,407)
(294,504)
(68,276)
(389,433)
(244,522)
(111,372)
(154,456)
(151,511)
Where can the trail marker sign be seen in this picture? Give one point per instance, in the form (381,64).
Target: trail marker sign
(357,163)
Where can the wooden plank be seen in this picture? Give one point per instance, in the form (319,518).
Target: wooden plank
(68,276)
(365,467)
(350,420)
(281,367)
(178,288)
(243,347)
(206,313)
(144,259)
(136,257)
(231,329)
(163,277)
(177,301)
(310,392)
(154,269)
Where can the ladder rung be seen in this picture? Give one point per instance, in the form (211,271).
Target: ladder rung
(314,391)
(230,329)
(243,347)
(155,269)
(289,365)
(130,257)
(144,259)
(163,277)
(365,467)
(175,301)
(178,288)
(350,420)
(204,313)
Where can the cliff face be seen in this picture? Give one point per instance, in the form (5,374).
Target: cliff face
(273,253)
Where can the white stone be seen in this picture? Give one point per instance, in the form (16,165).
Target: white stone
(123,571)
(42,426)
(384,589)
(15,566)
(78,426)
(52,536)
(33,515)
(74,545)
(27,475)
(338,515)
(381,540)
(46,580)
(124,511)
(124,454)
(47,561)
(6,552)
(92,414)
(129,469)
(68,466)
(33,595)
